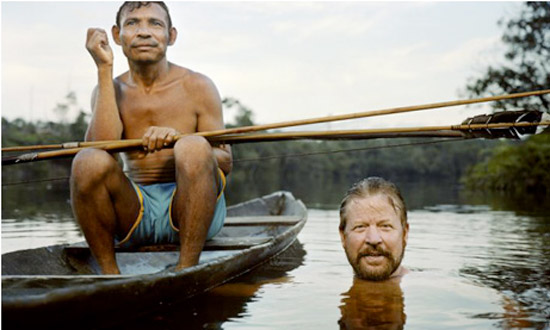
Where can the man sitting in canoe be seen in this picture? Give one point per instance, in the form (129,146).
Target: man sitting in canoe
(374,229)
(166,196)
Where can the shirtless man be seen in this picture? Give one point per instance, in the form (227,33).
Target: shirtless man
(374,229)
(167,195)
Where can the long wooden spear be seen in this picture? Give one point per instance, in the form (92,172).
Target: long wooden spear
(453,131)
(133,143)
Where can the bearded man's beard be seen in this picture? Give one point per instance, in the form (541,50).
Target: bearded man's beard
(377,273)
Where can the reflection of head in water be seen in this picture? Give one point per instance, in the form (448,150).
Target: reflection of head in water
(374,229)
(373,305)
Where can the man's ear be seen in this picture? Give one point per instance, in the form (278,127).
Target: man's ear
(342,237)
(172,35)
(406,233)
(115,31)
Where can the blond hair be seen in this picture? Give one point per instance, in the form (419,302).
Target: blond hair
(372,186)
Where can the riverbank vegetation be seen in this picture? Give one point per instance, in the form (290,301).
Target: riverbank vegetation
(308,166)
(514,168)
(261,168)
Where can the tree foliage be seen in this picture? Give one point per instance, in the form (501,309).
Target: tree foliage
(307,167)
(527,60)
(304,167)
(19,132)
(523,167)
(517,169)
(244,115)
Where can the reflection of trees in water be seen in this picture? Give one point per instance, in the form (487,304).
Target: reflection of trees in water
(52,198)
(327,192)
(519,253)
(277,268)
(521,204)
(318,176)
(44,199)
(373,305)
(529,290)
(211,309)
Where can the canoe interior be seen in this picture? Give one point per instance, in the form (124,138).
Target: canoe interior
(248,224)
(47,281)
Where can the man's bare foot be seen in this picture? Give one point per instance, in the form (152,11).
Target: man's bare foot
(109,270)
(183,265)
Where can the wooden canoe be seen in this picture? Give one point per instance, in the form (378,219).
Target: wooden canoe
(64,278)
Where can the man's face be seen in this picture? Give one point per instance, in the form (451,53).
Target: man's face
(144,34)
(374,239)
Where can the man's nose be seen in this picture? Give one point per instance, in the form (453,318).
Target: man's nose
(372,236)
(143,31)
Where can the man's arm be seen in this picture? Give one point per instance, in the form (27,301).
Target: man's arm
(105,123)
(210,118)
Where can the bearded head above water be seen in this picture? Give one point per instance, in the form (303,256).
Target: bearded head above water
(374,229)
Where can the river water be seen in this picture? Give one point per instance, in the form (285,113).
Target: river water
(477,262)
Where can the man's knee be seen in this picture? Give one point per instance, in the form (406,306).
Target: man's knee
(90,167)
(194,154)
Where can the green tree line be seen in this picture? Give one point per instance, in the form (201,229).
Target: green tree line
(517,169)
(19,132)
(261,168)
(268,166)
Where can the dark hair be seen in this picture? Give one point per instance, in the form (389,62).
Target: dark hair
(132,5)
(372,186)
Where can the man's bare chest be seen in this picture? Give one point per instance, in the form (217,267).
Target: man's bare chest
(139,111)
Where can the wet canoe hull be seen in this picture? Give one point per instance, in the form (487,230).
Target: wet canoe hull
(255,232)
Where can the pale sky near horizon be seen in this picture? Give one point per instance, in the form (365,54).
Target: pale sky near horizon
(284,60)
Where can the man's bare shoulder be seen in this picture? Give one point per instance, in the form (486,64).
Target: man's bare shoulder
(201,88)
(192,80)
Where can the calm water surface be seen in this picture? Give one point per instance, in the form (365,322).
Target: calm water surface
(475,264)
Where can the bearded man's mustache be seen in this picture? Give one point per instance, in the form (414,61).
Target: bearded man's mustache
(374,252)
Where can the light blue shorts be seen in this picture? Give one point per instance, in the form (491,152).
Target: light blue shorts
(154,223)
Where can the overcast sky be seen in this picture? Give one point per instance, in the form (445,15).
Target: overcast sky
(284,60)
